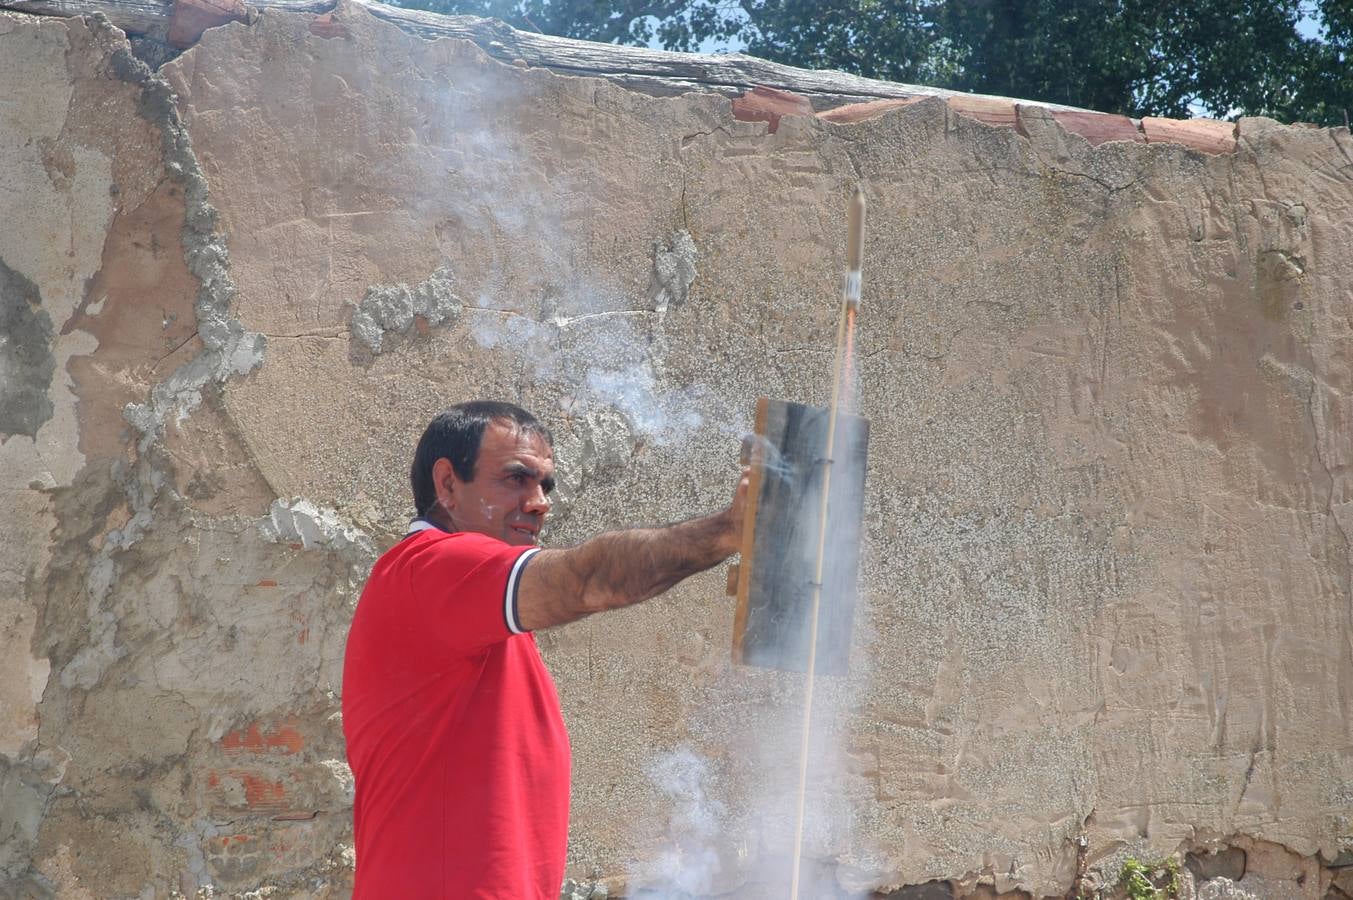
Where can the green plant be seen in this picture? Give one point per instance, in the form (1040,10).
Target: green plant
(1139,879)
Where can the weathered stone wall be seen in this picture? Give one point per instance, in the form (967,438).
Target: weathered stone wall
(1106,594)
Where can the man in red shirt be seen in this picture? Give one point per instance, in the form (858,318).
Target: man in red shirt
(453,727)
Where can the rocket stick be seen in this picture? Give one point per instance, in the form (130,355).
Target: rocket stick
(841,375)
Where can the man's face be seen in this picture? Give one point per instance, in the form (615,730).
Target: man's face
(509,496)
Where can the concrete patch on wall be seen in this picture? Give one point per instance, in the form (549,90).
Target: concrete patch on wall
(673,270)
(214,708)
(228,349)
(397,307)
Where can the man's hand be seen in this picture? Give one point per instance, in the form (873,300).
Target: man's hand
(621,568)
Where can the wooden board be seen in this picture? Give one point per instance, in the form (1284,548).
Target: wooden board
(780,539)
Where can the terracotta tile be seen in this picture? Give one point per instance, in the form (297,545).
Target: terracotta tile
(763,104)
(992,110)
(1098,128)
(1207,135)
(870,109)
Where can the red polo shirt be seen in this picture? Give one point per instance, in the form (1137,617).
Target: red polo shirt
(453,728)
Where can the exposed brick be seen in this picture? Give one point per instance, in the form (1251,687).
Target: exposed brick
(1207,135)
(763,104)
(247,789)
(281,738)
(262,793)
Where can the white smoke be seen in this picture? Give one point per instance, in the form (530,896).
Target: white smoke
(689,863)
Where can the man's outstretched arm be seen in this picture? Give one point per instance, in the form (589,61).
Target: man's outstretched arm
(621,568)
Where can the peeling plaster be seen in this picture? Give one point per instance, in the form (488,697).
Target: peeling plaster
(300,521)
(227,349)
(26,361)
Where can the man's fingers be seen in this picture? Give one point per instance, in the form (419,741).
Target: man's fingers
(740,494)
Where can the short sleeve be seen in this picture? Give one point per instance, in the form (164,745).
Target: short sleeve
(465,586)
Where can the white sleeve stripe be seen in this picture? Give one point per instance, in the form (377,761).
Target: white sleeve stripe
(510,596)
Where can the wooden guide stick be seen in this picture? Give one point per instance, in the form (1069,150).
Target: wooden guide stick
(850,302)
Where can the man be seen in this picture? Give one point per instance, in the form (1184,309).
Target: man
(453,726)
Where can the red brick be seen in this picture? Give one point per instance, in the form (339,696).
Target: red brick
(282,738)
(259,792)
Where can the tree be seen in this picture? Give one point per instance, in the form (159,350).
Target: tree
(1151,57)
(1137,57)
(1325,92)
(672,23)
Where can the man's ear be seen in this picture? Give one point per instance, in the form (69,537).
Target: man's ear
(443,482)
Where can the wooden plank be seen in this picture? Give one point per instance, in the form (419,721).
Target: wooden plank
(748,552)
(775,595)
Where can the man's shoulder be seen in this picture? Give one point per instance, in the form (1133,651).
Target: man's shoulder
(454,542)
(432,546)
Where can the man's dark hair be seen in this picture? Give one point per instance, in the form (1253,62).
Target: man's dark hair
(456,434)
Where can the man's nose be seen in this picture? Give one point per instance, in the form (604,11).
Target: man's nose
(537,502)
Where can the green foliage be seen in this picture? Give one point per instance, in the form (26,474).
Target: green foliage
(1137,57)
(1139,879)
